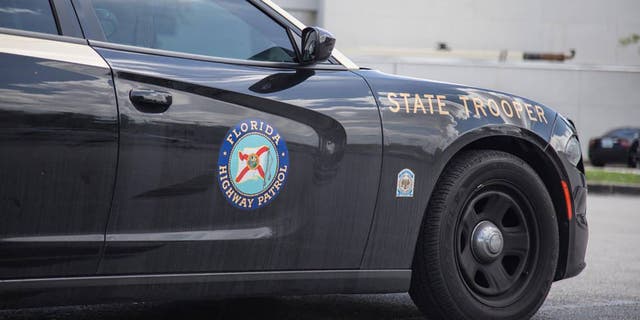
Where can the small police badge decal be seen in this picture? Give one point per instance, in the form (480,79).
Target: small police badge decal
(406,183)
(253,164)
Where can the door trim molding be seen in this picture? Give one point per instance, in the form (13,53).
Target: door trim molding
(154,287)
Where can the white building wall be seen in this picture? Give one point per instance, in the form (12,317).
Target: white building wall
(305,10)
(592,27)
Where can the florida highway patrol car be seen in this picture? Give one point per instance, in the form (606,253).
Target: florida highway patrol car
(191,149)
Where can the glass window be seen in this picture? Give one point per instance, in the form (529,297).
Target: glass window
(220,28)
(28,15)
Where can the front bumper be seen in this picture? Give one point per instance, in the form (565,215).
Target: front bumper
(578,228)
(574,229)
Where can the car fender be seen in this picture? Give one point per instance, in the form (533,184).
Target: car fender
(424,140)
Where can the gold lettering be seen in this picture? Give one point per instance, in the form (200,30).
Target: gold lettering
(465,99)
(530,112)
(508,113)
(442,105)
(518,106)
(406,100)
(276,139)
(391,97)
(479,105)
(430,97)
(540,113)
(437,105)
(417,103)
(493,107)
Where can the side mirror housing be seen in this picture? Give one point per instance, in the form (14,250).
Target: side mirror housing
(317,45)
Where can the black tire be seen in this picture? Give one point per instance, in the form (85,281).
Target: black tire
(597,163)
(441,285)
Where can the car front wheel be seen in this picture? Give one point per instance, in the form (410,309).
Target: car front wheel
(488,247)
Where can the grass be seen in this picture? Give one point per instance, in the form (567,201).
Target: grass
(603,176)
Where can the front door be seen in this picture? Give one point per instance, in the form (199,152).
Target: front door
(232,157)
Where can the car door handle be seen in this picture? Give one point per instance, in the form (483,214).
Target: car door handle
(150,101)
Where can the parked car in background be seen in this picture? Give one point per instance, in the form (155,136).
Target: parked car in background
(616,146)
(636,156)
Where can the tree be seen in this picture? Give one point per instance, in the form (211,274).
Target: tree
(630,40)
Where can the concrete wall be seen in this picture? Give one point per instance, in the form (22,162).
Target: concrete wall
(596,98)
(592,27)
(306,11)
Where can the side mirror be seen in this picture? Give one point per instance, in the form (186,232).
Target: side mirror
(317,45)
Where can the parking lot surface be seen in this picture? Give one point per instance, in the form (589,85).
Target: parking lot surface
(608,289)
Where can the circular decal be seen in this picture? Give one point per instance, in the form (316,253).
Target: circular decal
(253,164)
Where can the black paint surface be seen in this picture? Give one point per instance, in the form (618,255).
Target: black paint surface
(58,142)
(102,199)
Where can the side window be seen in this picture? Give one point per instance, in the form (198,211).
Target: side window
(28,15)
(623,133)
(219,28)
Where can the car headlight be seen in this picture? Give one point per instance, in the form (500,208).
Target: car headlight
(573,151)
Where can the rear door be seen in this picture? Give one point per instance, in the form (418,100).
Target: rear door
(232,156)
(58,143)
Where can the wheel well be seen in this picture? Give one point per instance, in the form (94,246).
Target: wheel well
(546,170)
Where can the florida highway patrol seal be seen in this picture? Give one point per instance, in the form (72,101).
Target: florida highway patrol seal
(253,164)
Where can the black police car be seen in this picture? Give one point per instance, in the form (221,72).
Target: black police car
(190,149)
(616,146)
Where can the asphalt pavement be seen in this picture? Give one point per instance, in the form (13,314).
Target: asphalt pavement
(608,289)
